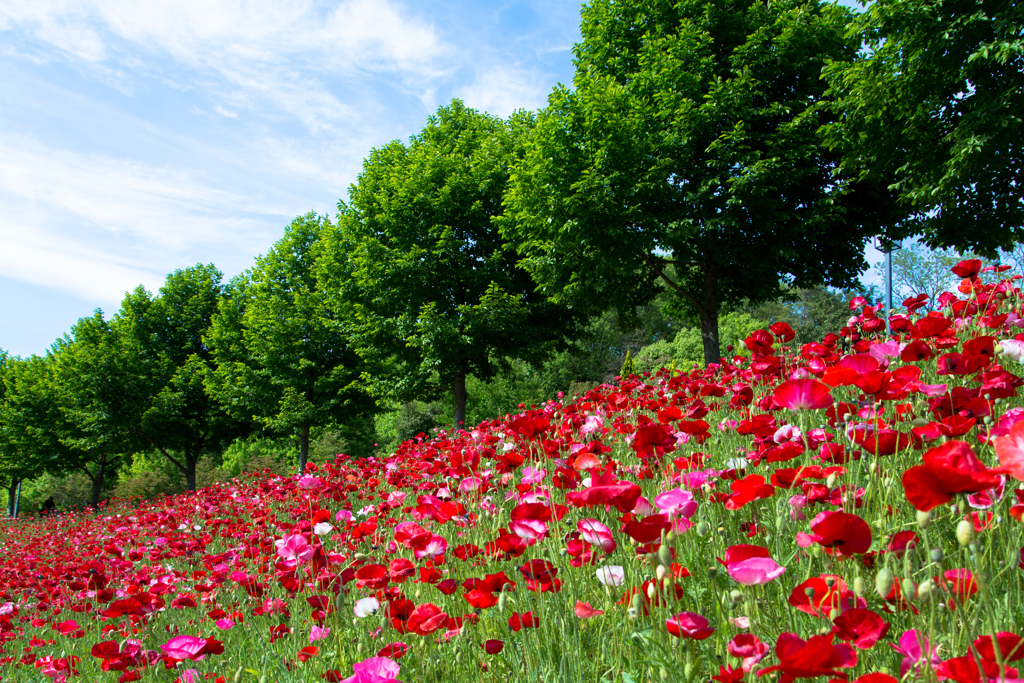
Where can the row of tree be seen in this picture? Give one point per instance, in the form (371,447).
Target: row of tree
(724,152)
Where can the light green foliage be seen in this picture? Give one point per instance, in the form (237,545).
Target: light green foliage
(435,292)
(283,358)
(255,453)
(628,366)
(687,348)
(688,155)
(935,106)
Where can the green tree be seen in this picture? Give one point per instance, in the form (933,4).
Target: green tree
(812,312)
(688,153)
(282,358)
(433,289)
(100,380)
(934,106)
(177,416)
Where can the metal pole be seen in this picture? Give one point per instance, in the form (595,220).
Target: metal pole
(17,500)
(888,286)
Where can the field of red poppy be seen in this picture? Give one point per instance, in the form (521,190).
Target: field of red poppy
(846,510)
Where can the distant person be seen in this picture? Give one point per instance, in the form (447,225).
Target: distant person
(48,507)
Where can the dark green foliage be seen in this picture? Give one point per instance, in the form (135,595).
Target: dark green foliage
(415,418)
(688,155)
(935,106)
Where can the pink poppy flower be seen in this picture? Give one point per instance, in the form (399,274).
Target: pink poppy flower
(755,571)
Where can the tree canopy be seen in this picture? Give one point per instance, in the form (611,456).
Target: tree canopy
(934,107)
(433,291)
(282,357)
(688,154)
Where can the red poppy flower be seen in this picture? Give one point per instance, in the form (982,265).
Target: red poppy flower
(916,351)
(967,269)
(520,621)
(605,489)
(393,651)
(819,595)
(1010,449)
(689,625)
(782,331)
(481,599)
(816,656)
(862,627)
(493,647)
(1011,647)
(841,532)
(584,610)
(948,469)
(803,394)
(425,619)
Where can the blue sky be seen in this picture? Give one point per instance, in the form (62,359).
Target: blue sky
(141,137)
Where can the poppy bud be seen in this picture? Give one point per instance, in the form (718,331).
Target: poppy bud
(501,601)
(636,602)
(831,481)
(238,675)
(859,589)
(920,422)
(339,600)
(703,529)
(909,589)
(964,532)
(652,590)
(936,554)
(688,669)
(924,519)
(660,572)
(883,582)
(735,595)
(925,590)
(833,614)
(665,556)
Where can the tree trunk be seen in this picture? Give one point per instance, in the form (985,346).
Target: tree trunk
(709,316)
(303,448)
(97,481)
(190,472)
(12,496)
(459,389)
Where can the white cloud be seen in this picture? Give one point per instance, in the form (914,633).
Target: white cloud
(264,49)
(97,226)
(224,112)
(502,89)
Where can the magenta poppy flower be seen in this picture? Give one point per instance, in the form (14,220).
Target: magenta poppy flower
(677,502)
(755,571)
(294,548)
(803,394)
(374,670)
(689,625)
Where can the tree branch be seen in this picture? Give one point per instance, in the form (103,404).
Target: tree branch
(646,258)
(160,448)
